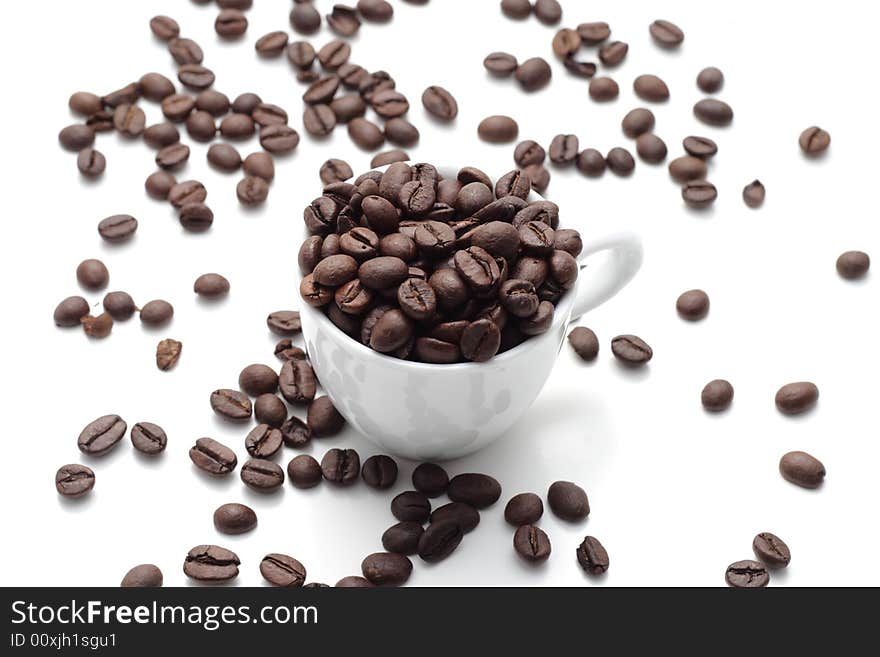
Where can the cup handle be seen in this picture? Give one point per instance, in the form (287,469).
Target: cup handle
(603,282)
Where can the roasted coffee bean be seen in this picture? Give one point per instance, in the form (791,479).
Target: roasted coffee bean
(341,466)
(517,9)
(613,53)
(365,134)
(74,480)
(380,471)
(335,270)
(651,148)
(352,75)
(853,265)
(439,540)
(411,506)
(92,274)
(234,519)
(270,410)
(314,294)
(128,94)
(401,132)
(257,379)
(301,54)
(686,168)
(164,27)
(568,240)
(666,34)
(403,538)
(440,103)
(513,183)
(713,112)
(538,175)
(353,582)
(344,20)
(224,157)
(795,398)
(76,137)
(417,299)
(213,102)
(231,404)
(213,457)
(304,18)
(747,574)
(245,103)
(148,438)
(195,76)
(278,139)
(651,88)
(533,74)
(372,83)
(322,90)
(263,441)
(362,244)
(692,305)
(100,121)
(319,120)
(530,269)
(631,350)
(591,162)
(528,152)
(119,305)
(500,64)
(814,141)
(323,418)
(568,501)
(382,273)
(97,327)
(386,568)
(389,157)
(161,135)
(499,238)
(271,44)
(155,86)
(177,107)
(168,353)
(172,157)
(348,107)
(701,147)
(699,194)
(158,184)
(304,471)
(771,550)
(252,191)
(477,268)
(802,469)
(603,89)
(186,192)
(297,382)
(459,513)
(531,543)
(282,570)
(353,298)
(478,490)
(430,479)
(416,198)
(754,193)
(378,11)
(85,103)
(185,51)
(592,557)
(294,432)
(389,103)
(237,126)
(200,126)
(91,162)
(717,395)
(70,311)
(481,340)
(592,34)
(566,42)
(523,509)
(563,149)
(261,475)
(146,575)
(391,331)
(710,80)
(117,228)
(284,322)
(620,161)
(211,563)
(548,12)
(584,342)
(581,69)
(638,122)
(266,114)
(196,217)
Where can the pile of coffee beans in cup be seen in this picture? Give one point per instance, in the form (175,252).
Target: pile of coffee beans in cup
(433,269)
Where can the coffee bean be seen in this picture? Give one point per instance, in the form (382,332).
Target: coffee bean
(324,419)
(343,20)
(278,139)
(651,88)
(266,114)
(148,438)
(341,466)
(257,379)
(85,103)
(480,340)
(295,433)
(568,240)
(620,161)
(301,54)
(411,506)
(603,89)
(478,490)
(613,53)
(213,457)
(591,162)
(74,480)
(200,126)
(710,80)
(270,410)
(164,27)
(440,103)
(533,74)
(631,350)
(237,126)
(119,305)
(231,404)
(158,184)
(145,575)
(666,34)
(513,183)
(430,479)
(581,69)
(568,501)
(500,64)
(252,191)
(335,170)
(353,582)
(70,311)
(186,192)
(304,471)
(97,327)
(516,9)
(592,557)
(297,382)
(156,312)
(185,51)
(177,107)
(383,272)
(802,469)
(380,471)
(717,395)
(531,543)
(523,509)
(117,228)
(638,122)
(772,550)
(585,344)
(548,11)
(271,44)
(566,42)
(282,570)
(304,18)
(754,194)
(284,322)
(347,107)
(211,563)
(101,435)
(234,519)
(76,137)
(699,194)
(389,103)
(417,299)
(701,147)
(196,217)
(322,90)
(168,353)
(365,134)
(211,286)
(403,538)
(386,568)
(692,305)
(261,475)
(794,398)
(439,540)
(389,157)
(195,76)
(714,112)
(91,162)
(401,132)
(528,152)
(814,141)
(459,513)
(853,265)
(172,157)
(313,294)
(747,574)
(651,148)
(155,87)
(563,149)
(592,34)
(245,103)
(378,11)
(161,135)
(129,94)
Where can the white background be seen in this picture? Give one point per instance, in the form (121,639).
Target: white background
(676,494)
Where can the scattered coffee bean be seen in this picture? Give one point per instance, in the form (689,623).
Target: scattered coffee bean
(341,466)
(795,398)
(284,322)
(754,194)
(156,312)
(638,122)
(196,217)
(237,126)
(603,89)
(548,12)
(747,574)
(500,64)
(128,94)
(164,27)
(74,480)
(814,141)
(148,438)
(566,43)
(252,191)
(533,74)
(386,568)
(498,129)
(278,139)
(411,506)
(211,563)
(464,515)
(270,410)
(76,137)
(440,103)
(97,327)
(224,157)
(516,9)
(717,395)
(692,305)
(430,479)
(666,34)
(710,80)
(168,353)
(365,134)
(771,550)
(353,582)
(295,432)
(620,161)
(271,44)
(439,540)
(70,311)
(161,135)
(213,457)
(591,162)
(563,149)
(91,162)
(261,475)
(304,18)
(234,519)
(158,184)
(651,88)
(701,147)
(631,350)
(92,274)
(282,570)
(378,11)
(532,543)
(231,404)
(257,379)
(185,51)
(687,168)
(613,53)
(713,112)
(802,469)
(211,286)
(592,557)
(568,500)
(319,121)
(344,20)
(651,148)
(335,170)
(585,344)
(529,152)
(380,471)
(401,132)
(286,350)
(101,435)
(145,575)
(852,265)
(170,158)
(699,194)
(117,228)
(388,157)
(524,509)
(478,490)
(304,471)
(403,538)
(592,34)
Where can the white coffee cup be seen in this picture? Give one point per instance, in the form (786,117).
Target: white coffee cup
(436,412)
